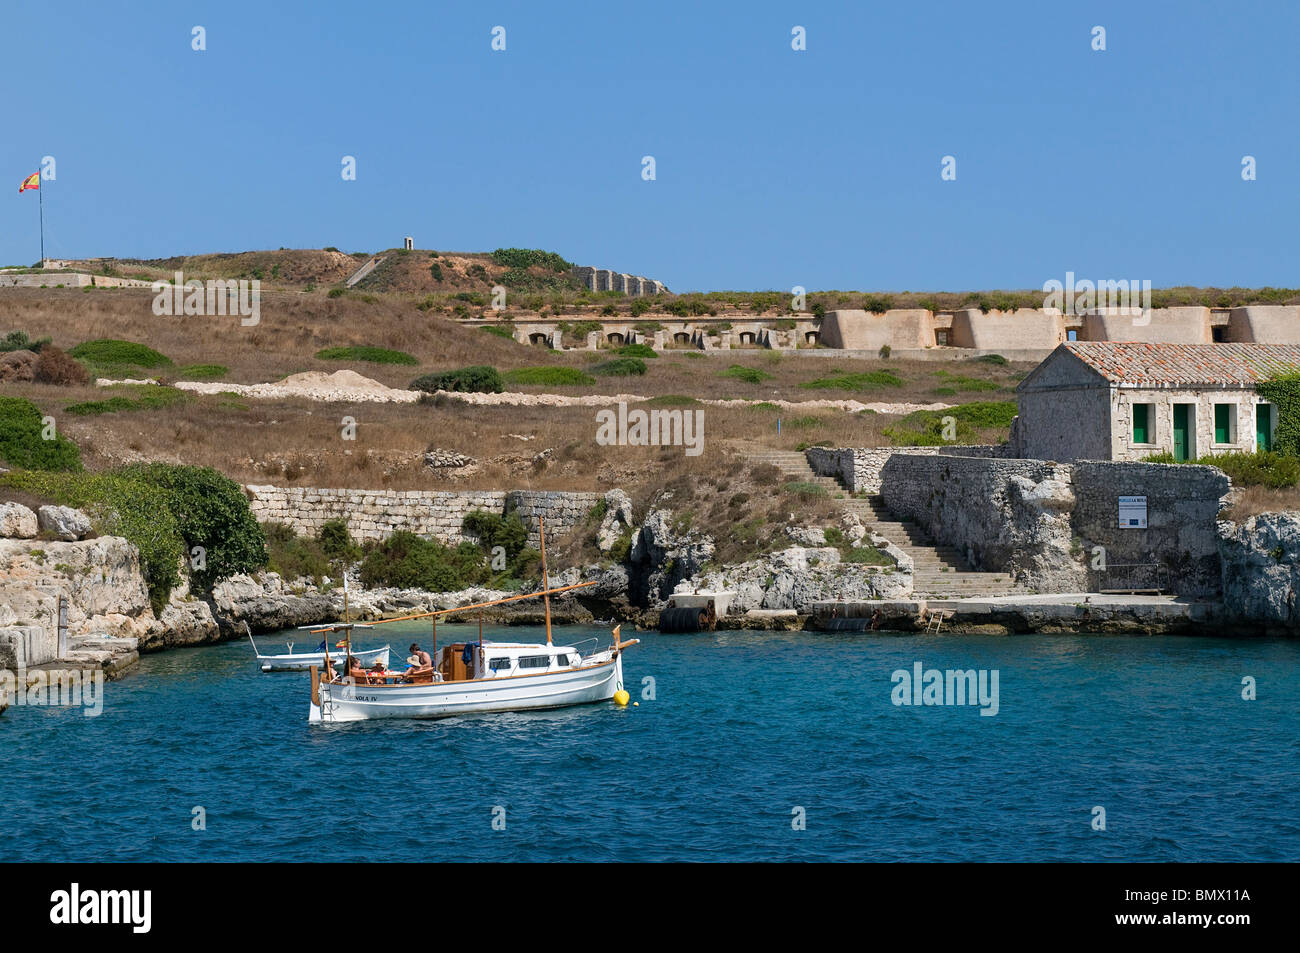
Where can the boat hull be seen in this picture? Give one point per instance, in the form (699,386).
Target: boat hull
(340,701)
(303,661)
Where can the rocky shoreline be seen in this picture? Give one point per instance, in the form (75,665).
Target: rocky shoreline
(51,556)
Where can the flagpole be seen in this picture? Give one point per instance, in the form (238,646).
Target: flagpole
(40,192)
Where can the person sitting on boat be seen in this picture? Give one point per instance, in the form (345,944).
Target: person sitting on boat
(378,674)
(419,664)
(358,671)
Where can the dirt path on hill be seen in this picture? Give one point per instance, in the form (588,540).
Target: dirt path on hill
(349,386)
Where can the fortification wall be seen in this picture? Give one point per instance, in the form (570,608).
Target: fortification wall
(862,330)
(1264,324)
(436,514)
(1189,325)
(1023,328)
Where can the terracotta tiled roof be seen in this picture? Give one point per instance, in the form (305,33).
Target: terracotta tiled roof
(1186,364)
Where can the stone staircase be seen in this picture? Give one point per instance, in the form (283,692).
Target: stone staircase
(939,571)
(364,270)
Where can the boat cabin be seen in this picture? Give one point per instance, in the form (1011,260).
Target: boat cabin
(462,661)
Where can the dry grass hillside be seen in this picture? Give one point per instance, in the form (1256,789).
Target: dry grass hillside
(300,442)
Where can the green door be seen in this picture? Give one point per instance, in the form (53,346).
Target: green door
(1180,432)
(1263,426)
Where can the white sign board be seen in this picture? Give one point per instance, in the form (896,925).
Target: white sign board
(1132,512)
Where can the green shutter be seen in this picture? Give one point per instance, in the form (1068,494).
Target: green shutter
(1182,441)
(1264,426)
(1140,430)
(1222,424)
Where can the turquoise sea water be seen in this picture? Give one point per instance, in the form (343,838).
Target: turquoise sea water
(744,729)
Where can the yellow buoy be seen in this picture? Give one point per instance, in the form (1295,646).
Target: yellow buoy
(621,697)
(636,704)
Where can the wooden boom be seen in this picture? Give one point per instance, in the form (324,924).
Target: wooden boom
(484,605)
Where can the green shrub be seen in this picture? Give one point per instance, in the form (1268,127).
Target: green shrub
(1283,392)
(146,397)
(844,380)
(750,375)
(580,329)
(211,513)
(19,341)
(995,359)
(620,367)
(294,556)
(205,371)
(336,292)
(22,442)
(867,555)
(498,330)
(636,350)
(806,492)
(1264,468)
(798,423)
(672,400)
(925,428)
(548,376)
(411,562)
(374,355)
(528,257)
(109,351)
(337,543)
(119,506)
(493,529)
(476,379)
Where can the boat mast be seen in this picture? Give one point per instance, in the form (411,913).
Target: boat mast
(347,619)
(546,580)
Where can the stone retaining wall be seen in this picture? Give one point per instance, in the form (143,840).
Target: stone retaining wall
(858,468)
(377,514)
(1055,527)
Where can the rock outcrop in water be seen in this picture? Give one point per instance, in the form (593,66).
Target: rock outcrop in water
(1261,569)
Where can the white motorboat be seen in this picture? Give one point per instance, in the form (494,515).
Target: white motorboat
(478,676)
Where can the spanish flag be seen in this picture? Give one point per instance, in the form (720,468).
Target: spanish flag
(33,181)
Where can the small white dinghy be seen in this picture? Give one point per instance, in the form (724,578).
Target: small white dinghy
(304,661)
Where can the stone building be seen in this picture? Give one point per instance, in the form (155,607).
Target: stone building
(1126,401)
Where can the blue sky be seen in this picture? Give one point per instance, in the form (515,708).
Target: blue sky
(774,168)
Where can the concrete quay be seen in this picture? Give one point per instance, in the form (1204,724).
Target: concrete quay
(1055,612)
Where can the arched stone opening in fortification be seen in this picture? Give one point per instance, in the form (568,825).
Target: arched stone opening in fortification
(681,337)
(614,338)
(811,337)
(539,338)
(747,337)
